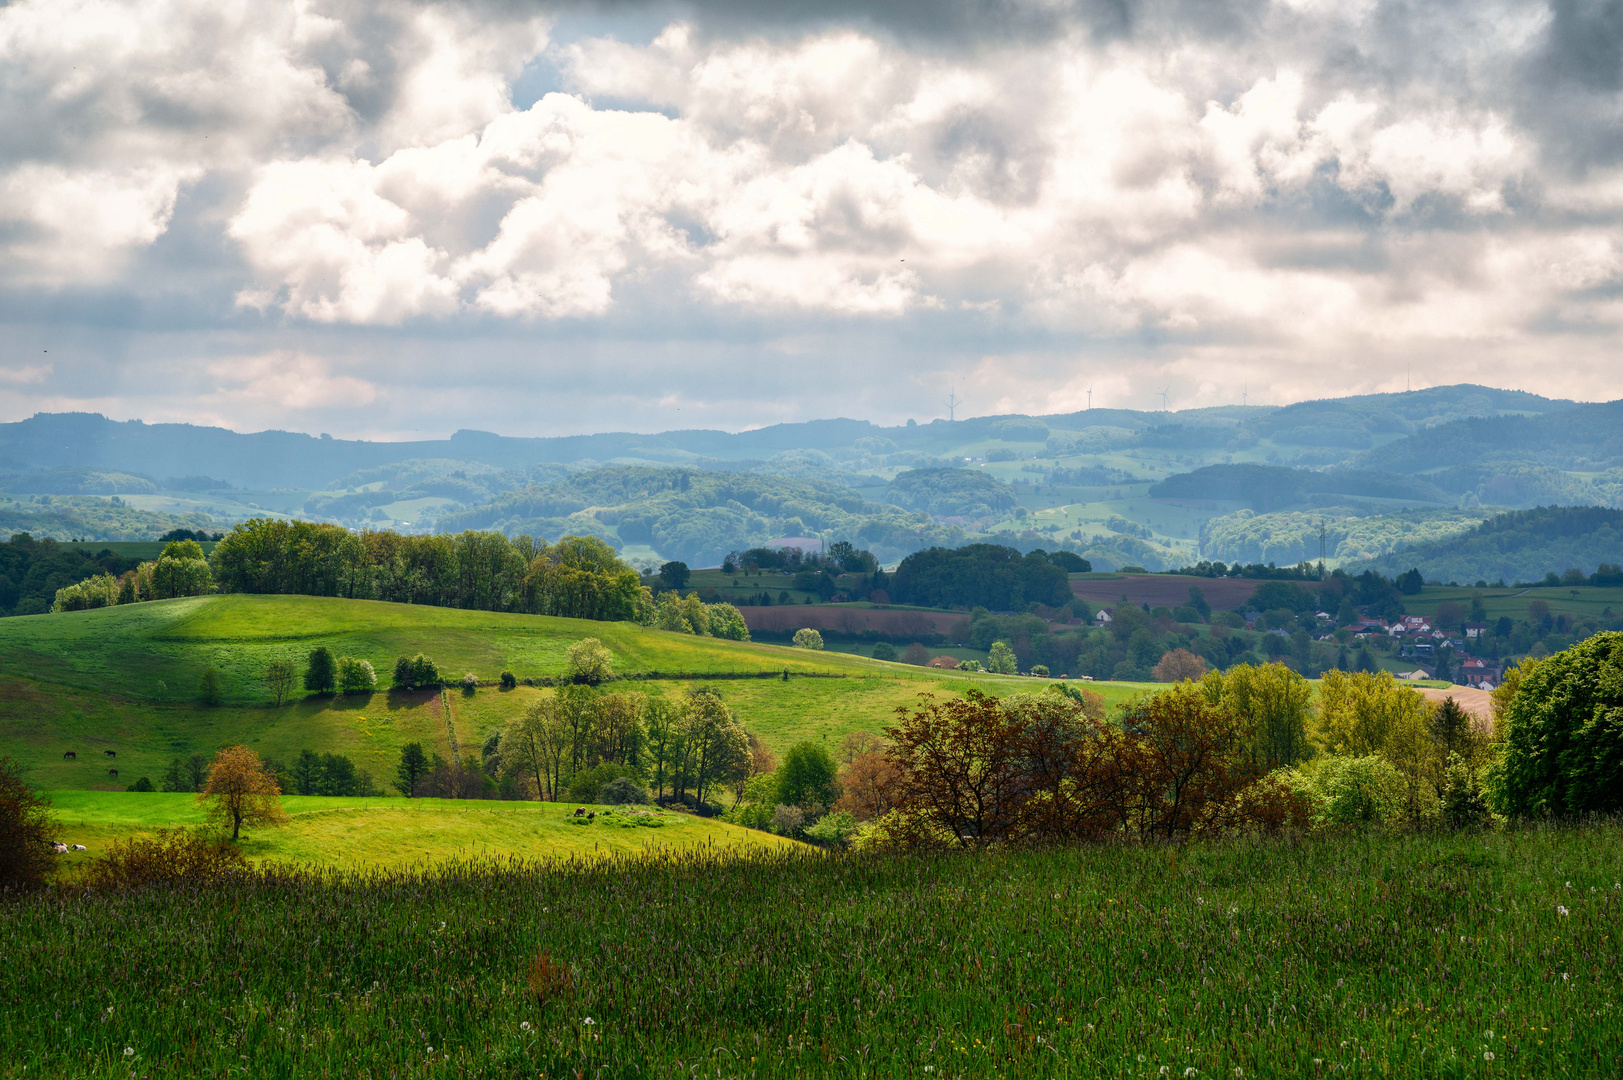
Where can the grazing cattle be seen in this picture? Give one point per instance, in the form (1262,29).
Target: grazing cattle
(110,753)
(69,754)
(112,772)
(579,810)
(80,847)
(59,848)
(591,816)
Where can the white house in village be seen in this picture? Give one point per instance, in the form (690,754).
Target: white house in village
(1102,618)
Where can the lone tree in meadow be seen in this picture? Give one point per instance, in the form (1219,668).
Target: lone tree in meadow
(413,765)
(589,662)
(321,674)
(1001,659)
(279,676)
(242,790)
(807,638)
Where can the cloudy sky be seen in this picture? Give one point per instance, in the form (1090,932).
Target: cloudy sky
(397,219)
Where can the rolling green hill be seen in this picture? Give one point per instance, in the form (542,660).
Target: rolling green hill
(126,679)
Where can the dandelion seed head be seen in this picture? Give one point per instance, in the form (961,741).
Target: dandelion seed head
(588,1021)
(525,1026)
(129,1051)
(1487,1055)
(1562,910)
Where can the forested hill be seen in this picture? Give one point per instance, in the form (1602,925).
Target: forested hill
(1524,545)
(1582,437)
(281,459)
(698,516)
(1272,487)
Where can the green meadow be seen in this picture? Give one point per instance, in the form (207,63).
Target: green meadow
(125,679)
(375,833)
(1361,955)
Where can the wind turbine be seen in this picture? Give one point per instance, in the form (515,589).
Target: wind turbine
(1163,394)
(953,401)
(1090,399)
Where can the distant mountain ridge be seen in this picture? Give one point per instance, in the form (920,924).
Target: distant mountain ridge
(282,459)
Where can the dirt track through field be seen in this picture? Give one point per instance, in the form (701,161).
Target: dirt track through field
(1160,590)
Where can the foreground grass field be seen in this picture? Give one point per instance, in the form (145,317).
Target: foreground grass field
(1359,955)
(125,679)
(395,833)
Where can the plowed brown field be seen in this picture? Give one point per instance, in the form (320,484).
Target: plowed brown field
(1163,590)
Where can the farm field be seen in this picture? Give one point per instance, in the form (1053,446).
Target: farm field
(1369,955)
(1161,590)
(124,679)
(1587,601)
(374,833)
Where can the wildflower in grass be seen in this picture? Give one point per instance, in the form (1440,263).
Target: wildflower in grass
(588,1021)
(1562,910)
(129,1051)
(1487,1055)
(525,1026)
(1191,1071)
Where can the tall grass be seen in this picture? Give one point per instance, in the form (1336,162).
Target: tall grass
(1358,955)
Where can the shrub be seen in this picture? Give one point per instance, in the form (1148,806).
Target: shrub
(404,675)
(916,654)
(969,665)
(832,829)
(1040,670)
(356,676)
(1364,790)
(586,786)
(424,672)
(470,683)
(787,820)
(172,857)
(623,791)
(321,673)
(807,638)
(26,827)
(1463,805)
(143,784)
(884,651)
(508,680)
(589,662)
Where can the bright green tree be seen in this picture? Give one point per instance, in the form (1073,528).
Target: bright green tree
(321,673)
(1001,659)
(807,777)
(807,638)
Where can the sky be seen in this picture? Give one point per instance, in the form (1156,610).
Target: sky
(393,220)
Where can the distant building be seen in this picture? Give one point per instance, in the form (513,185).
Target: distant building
(1102,618)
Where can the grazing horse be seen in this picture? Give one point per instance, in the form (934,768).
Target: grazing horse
(66,754)
(110,753)
(112,772)
(591,816)
(580,811)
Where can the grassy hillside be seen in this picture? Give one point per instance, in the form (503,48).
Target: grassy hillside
(125,679)
(392,833)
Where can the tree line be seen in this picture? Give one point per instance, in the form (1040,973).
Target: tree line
(578,577)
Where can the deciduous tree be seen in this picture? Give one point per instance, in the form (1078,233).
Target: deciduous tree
(240,790)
